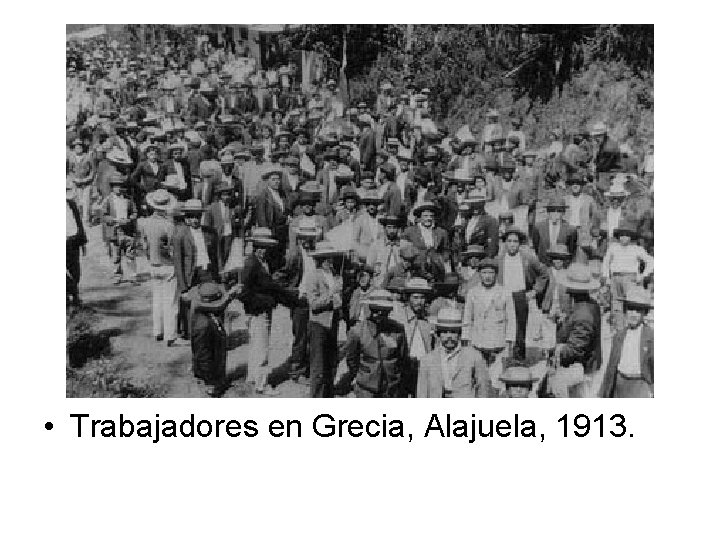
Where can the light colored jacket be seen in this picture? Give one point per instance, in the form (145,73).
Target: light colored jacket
(490,314)
(320,298)
(470,378)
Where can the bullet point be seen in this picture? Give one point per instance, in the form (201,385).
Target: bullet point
(48,425)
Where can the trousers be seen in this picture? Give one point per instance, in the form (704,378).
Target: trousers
(619,283)
(521,318)
(631,387)
(164,301)
(299,352)
(323,358)
(259,354)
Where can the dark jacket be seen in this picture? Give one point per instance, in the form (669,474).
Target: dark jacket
(144,179)
(79,239)
(378,359)
(536,274)
(486,234)
(170,169)
(270,215)
(185,256)
(581,335)
(209,346)
(647,360)
(260,293)
(541,239)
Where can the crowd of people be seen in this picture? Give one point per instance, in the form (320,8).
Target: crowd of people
(471,263)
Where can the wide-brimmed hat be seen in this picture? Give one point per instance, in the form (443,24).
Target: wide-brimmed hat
(417,285)
(625,228)
(396,285)
(211,297)
(492,112)
(227,159)
(637,298)
(475,200)
(271,172)
(371,197)
(488,263)
(473,250)
(379,300)
(521,234)
(313,188)
(160,199)
(506,216)
(458,175)
(558,251)
(391,219)
(578,277)
(349,192)
(326,250)
(262,236)
(425,206)
(451,280)
(448,318)
(558,203)
(616,193)
(307,228)
(408,252)
(518,376)
(119,157)
(306,197)
(599,128)
(194,206)
(576,178)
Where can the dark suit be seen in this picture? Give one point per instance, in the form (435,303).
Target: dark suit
(215,222)
(486,234)
(647,362)
(209,346)
(187,193)
(260,294)
(269,214)
(581,334)
(367,150)
(72,253)
(185,257)
(434,256)
(144,180)
(392,200)
(541,239)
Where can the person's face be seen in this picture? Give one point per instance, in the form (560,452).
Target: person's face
(78,149)
(417,302)
(633,317)
(308,208)
(624,240)
(364,280)
(516,391)
(507,176)
(260,252)
(449,338)
(227,168)
(193,220)
(391,231)
(487,277)
(350,204)
(117,190)
(371,209)
(307,243)
(333,164)
(575,188)
(615,202)
(406,263)
(558,264)
(152,156)
(274,182)
(326,264)
(426,218)
(480,183)
(379,316)
(225,197)
(554,216)
(404,166)
(512,244)
(467,150)
(461,188)
(393,150)
(177,154)
(474,262)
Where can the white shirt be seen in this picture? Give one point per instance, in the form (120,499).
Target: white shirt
(448,363)
(626,259)
(513,275)
(471,227)
(278,199)
(427,235)
(202,256)
(554,230)
(227,223)
(120,204)
(630,355)
(613,218)
(308,267)
(71,228)
(179,172)
(574,204)
(417,345)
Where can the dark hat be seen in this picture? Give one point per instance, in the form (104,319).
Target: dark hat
(349,192)
(521,234)
(423,206)
(558,251)
(473,250)
(625,228)
(306,197)
(392,220)
(272,172)
(488,263)
(575,178)
(371,197)
(211,297)
(558,203)
(451,281)
(396,285)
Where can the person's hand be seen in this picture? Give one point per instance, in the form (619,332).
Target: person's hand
(532,293)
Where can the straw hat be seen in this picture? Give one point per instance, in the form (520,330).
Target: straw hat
(211,297)
(625,228)
(193,206)
(262,237)
(379,300)
(559,251)
(518,376)
(578,278)
(473,250)
(417,285)
(425,206)
(119,157)
(160,199)
(448,318)
(325,250)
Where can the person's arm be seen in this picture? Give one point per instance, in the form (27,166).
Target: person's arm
(542,276)
(511,324)
(648,260)
(579,339)
(467,317)
(607,261)
(319,298)
(352,352)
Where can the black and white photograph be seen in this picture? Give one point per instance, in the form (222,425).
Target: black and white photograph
(359,210)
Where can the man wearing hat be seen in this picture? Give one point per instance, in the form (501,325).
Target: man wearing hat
(452,370)
(616,196)
(482,229)
(272,212)
(209,339)
(630,369)
(470,272)
(367,229)
(306,200)
(582,212)
(225,220)
(622,266)
(384,252)
(554,230)
(75,241)
(404,269)
(178,165)
(157,232)
(377,352)
(393,202)
(119,217)
(447,294)
(431,241)
(357,306)
(418,331)
(518,381)
(578,353)
(149,173)
(324,294)
(492,129)
(490,316)
(367,145)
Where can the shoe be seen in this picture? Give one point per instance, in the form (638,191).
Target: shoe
(159,337)
(170,342)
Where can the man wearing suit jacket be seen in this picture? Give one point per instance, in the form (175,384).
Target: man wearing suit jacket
(482,229)
(522,275)
(225,221)
(392,197)
(75,241)
(148,175)
(271,212)
(554,230)
(367,146)
(366,228)
(452,370)
(431,241)
(180,167)
(630,369)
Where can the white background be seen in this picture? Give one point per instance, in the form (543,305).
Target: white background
(660,483)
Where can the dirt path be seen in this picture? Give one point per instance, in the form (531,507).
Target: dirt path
(126,309)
